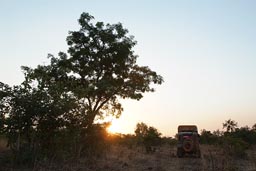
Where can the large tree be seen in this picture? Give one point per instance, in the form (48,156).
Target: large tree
(98,69)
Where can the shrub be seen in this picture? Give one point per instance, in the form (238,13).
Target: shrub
(234,146)
(147,136)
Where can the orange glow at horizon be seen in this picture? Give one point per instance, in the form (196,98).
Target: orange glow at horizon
(114,127)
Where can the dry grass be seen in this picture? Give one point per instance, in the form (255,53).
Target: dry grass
(3,144)
(119,158)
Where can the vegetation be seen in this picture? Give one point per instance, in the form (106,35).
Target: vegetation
(230,125)
(147,136)
(52,114)
(233,140)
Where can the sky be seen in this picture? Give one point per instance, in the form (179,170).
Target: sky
(204,49)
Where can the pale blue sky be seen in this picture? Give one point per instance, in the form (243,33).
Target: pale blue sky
(204,49)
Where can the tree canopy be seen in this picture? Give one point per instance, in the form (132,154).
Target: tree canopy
(230,125)
(147,135)
(99,68)
(77,87)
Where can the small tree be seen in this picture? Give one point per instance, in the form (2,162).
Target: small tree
(141,132)
(152,137)
(32,120)
(230,125)
(148,136)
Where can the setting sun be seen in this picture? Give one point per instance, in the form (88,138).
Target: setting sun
(114,127)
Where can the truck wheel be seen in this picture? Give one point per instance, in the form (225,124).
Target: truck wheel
(188,145)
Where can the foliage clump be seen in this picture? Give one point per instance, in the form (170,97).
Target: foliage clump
(234,141)
(55,109)
(147,136)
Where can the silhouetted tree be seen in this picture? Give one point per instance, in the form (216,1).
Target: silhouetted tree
(230,125)
(67,96)
(254,127)
(141,131)
(152,137)
(32,120)
(217,133)
(148,136)
(100,68)
(246,134)
(4,94)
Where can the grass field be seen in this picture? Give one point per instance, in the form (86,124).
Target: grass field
(118,158)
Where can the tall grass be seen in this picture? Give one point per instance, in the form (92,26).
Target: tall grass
(3,144)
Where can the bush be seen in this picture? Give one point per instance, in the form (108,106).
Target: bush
(147,136)
(208,138)
(234,146)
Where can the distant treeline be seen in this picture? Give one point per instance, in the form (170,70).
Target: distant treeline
(233,140)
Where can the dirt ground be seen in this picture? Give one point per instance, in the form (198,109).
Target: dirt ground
(121,158)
